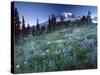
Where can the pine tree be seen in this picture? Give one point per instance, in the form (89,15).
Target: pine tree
(83,20)
(49,24)
(28,29)
(33,30)
(53,22)
(38,27)
(89,20)
(23,27)
(61,20)
(42,29)
(17,23)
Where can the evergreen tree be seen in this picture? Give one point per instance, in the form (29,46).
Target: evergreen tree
(42,29)
(83,20)
(23,27)
(28,29)
(49,24)
(37,27)
(33,30)
(89,20)
(17,23)
(53,22)
(61,20)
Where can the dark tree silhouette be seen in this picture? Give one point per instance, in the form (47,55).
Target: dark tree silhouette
(17,23)
(37,27)
(33,30)
(28,29)
(61,20)
(53,22)
(83,20)
(42,29)
(49,24)
(23,27)
(89,20)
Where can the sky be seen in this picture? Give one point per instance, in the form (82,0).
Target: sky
(31,11)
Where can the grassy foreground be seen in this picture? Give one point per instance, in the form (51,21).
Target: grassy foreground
(69,48)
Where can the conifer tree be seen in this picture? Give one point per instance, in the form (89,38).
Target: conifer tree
(52,22)
(16,26)
(38,27)
(49,24)
(28,29)
(33,30)
(89,20)
(83,20)
(61,20)
(23,27)
(42,29)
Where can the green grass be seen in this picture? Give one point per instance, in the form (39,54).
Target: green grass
(54,52)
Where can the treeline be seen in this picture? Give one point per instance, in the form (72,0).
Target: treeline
(51,26)
(40,29)
(21,30)
(85,20)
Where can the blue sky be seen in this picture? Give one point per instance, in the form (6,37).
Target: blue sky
(32,11)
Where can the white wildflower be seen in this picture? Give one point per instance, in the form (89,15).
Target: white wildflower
(47,50)
(69,47)
(48,43)
(25,62)
(65,35)
(17,66)
(33,48)
(43,54)
(57,52)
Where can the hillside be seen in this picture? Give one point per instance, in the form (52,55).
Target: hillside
(65,49)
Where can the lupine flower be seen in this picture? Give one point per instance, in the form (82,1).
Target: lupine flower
(70,36)
(87,43)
